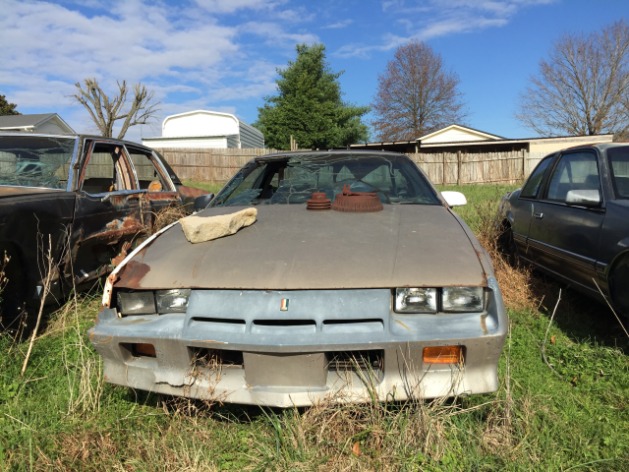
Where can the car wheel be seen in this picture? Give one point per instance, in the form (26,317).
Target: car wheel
(618,280)
(506,243)
(12,291)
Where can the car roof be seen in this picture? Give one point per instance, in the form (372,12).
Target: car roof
(326,154)
(599,146)
(79,136)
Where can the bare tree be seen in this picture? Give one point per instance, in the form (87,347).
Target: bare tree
(106,111)
(583,88)
(415,95)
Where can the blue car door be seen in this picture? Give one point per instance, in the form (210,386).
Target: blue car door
(563,237)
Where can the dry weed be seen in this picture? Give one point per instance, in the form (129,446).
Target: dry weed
(515,281)
(166,216)
(374,436)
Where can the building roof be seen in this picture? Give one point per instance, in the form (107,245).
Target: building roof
(32,121)
(456,133)
(462,138)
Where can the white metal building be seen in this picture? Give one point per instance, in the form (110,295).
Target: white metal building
(202,129)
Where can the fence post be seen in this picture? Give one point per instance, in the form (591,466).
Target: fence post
(458,167)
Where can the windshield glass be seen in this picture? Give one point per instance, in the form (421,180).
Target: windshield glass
(293,178)
(35,161)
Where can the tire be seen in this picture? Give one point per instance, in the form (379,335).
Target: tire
(12,291)
(506,244)
(618,282)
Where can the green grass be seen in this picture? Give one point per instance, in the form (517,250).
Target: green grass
(567,411)
(212,187)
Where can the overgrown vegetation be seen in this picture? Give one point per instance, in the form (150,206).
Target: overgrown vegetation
(565,412)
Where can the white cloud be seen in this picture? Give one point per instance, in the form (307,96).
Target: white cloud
(231,6)
(437,18)
(218,54)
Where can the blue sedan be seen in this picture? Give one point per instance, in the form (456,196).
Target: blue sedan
(571,220)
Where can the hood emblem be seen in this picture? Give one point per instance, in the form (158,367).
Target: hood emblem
(284,304)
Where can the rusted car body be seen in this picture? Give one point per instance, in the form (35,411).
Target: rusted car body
(80,201)
(571,220)
(356,282)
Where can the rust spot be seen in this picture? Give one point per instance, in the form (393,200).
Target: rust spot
(191,192)
(166,196)
(356,201)
(122,254)
(114,230)
(132,274)
(318,201)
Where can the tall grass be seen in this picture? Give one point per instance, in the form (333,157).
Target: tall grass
(565,412)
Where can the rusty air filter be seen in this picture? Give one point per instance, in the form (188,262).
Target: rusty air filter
(356,201)
(318,201)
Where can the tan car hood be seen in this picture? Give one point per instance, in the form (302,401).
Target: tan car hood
(290,247)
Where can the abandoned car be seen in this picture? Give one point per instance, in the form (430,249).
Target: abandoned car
(336,276)
(69,205)
(571,220)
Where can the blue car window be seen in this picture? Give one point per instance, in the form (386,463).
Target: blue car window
(619,163)
(574,171)
(533,184)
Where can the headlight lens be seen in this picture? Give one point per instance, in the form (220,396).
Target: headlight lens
(172,301)
(432,300)
(416,300)
(136,303)
(457,299)
(153,302)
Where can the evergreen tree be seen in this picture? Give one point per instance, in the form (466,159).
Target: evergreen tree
(309,108)
(7,108)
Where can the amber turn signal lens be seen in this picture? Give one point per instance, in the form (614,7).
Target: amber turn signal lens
(443,355)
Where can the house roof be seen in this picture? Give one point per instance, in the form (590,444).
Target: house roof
(458,138)
(31,122)
(457,133)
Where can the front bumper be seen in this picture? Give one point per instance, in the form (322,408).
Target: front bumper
(336,345)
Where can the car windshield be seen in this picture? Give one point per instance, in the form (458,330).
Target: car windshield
(293,178)
(35,161)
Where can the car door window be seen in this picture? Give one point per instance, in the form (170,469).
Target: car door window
(533,184)
(619,163)
(149,173)
(106,170)
(574,171)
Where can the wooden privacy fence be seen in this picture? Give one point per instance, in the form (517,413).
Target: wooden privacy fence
(209,165)
(447,168)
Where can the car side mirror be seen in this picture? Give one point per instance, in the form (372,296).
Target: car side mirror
(454,198)
(588,198)
(203,201)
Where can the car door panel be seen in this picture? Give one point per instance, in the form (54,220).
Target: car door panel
(111,211)
(563,237)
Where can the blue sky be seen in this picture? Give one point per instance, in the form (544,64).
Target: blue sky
(223,55)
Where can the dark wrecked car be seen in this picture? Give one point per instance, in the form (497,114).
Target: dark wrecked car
(347,278)
(571,220)
(80,200)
